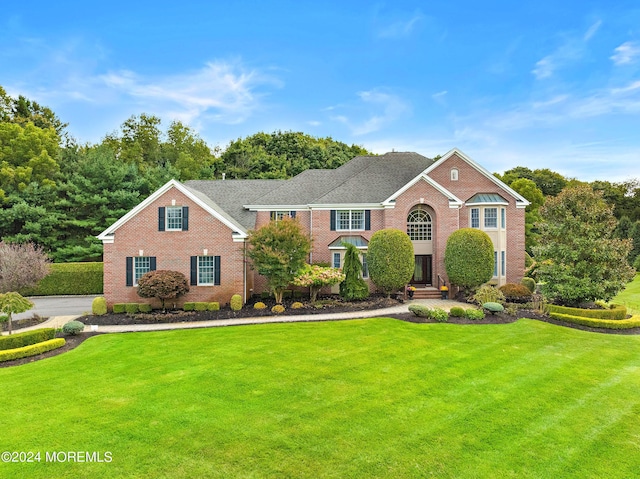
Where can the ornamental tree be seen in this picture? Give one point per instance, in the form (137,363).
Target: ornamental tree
(468,258)
(579,257)
(13,302)
(21,266)
(390,259)
(353,287)
(316,277)
(279,250)
(162,284)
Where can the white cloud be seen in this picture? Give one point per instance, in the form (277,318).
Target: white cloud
(592,30)
(626,53)
(379,108)
(544,68)
(440,97)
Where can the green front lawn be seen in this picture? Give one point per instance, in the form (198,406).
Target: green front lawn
(365,398)
(630,297)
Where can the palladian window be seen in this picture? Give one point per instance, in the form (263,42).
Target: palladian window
(419,225)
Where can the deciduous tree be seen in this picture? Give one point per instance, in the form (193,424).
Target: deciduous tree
(317,277)
(21,266)
(13,303)
(163,285)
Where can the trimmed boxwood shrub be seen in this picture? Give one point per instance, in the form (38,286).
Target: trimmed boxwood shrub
(516,293)
(72,328)
(27,338)
(439,315)
(277,309)
(259,305)
(189,306)
(213,306)
(493,308)
(390,259)
(474,314)
(420,310)
(145,307)
(529,283)
(468,258)
(633,322)
(32,349)
(617,312)
(297,305)
(236,302)
(131,308)
(99,306)
(201,306)
(70,278)
(119,308)
(457,312)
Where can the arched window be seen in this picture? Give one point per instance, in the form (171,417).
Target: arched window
(419,225)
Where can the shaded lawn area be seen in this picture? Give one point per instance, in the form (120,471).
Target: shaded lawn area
(362,398)
(630,296)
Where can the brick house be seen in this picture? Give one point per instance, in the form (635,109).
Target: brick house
(200,227)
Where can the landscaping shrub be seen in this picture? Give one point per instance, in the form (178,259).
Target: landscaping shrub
(439,315)
(457,312)
(236,302)
(32,349)
(297,305)
(70,278)
(315,278)
(259,305)
(277,309)
(213,306)
(473,314)
(131,308)
(72,328)
(529,283)
(487,294)
(636,263)
(145,307)
(201,306)
(99,306)
(119,308)
(493,308)
(265,295)
(420,310)
(516,293)
(633,322)
(353,288)
(163,285)
(390,259)
(27,338)
(190,306)
(468,258)
(616,312)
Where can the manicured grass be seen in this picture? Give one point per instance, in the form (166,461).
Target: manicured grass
(354,399)
(630,297)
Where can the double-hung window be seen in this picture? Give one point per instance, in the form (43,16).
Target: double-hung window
(365,266)
(350,220)
(278,215)
(337,260)
(491,217)
(141,265)
(174,218)
(205,270)
(475,217)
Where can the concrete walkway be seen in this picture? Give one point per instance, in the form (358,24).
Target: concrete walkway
(59,321)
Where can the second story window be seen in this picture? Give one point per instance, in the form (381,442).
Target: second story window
(174,218)
(350,220)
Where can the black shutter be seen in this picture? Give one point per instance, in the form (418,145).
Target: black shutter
(129,270)
(161,218)
(216,270)
(194,271)
(185,218)
(152,263)
(333,220)
(292,214)
(272,216)
(367,220)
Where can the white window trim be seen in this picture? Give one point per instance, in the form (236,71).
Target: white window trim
(350,228)
(333,260)
(454,174)
(136,259)
(484,218)
(213,271)
(166,219)
(471,218)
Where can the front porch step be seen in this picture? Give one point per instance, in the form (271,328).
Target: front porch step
(428,292)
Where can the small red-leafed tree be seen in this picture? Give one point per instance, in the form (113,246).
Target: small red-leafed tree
(21,266)
(162,284)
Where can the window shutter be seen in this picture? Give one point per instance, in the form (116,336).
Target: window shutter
(194,271)
(333,220)
(185,218)
(272,215)
(367,220)
(161,215)
(152,263)
(216,270)
(292,214)
(129,271)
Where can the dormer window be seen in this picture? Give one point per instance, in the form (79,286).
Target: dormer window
(454,174)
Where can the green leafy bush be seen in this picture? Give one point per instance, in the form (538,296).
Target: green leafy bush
(420,310)
(487,294)
(277,309)
(493,308)
(439,315)
(636,263)
(99,306)
(297,305)
(131,308)
(633,322)
(119,308)
(32,349)
(70,278)
(189,306)
(457,312)
(201,306)
(616,312)
(515,293)
(27,338)
(390,259)
(259,305)
(265,295)
(72,328)
(163,285)
(468,258)
(213,306)
(353,287)
(473,314)
(236,302)
(145,307)
(529,283)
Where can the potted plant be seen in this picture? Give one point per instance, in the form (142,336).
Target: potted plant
(410,290)
(444,291)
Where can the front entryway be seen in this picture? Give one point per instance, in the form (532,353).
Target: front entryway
(422,272)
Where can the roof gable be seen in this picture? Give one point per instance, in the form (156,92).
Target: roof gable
(454,201)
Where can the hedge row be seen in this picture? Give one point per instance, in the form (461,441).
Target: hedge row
(201,306)
(27,338)
(616,312)
(633,322)
(70,278)
(132,308)
(32,349)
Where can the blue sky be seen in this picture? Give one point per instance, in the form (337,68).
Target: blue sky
(545,84)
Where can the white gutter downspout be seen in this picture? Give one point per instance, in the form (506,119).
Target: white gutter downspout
(244,272)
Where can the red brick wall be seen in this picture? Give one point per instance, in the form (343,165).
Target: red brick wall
(173,250)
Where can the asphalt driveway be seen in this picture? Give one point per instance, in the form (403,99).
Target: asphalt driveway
(49,306)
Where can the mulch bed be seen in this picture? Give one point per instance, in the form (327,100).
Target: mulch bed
(23,323)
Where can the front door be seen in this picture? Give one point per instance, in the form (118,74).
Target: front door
(422,271)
